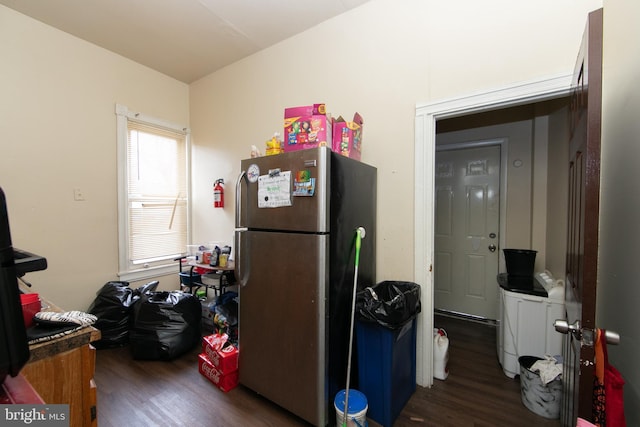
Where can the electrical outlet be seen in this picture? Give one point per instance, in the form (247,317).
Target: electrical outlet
(78,195)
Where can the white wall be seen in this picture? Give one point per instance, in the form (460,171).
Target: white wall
(380,59)
(618,282)
(57,133)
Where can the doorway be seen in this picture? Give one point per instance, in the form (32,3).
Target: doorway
(427,118)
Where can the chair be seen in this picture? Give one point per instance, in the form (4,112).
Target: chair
(188,279)
(191,281)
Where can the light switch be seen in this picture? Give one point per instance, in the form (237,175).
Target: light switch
(78,195)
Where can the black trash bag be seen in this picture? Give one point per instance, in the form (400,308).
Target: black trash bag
(226,307)
(390,304)
(113,307)
(225,315)
(166,325)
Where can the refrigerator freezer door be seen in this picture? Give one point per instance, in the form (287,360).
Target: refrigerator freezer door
(308,209)
(282,324)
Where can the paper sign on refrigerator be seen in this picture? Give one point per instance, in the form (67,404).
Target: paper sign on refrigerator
(274,190)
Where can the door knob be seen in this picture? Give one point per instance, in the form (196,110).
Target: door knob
(492,247)
(564,327)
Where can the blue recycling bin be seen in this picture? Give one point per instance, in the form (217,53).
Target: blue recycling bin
(386,368)
(386,347)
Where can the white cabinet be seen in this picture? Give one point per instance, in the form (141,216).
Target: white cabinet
(525,328)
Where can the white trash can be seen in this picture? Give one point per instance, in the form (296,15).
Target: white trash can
(541,399)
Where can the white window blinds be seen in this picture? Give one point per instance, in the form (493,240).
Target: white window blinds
(157,193)
(154,195)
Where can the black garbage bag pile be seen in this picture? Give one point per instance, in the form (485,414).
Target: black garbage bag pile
(390,303)
(113,306)
(166,325)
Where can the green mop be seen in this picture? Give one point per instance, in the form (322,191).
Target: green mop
(359,236)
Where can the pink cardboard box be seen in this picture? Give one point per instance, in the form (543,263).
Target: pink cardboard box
(306,127)
(225,360)
(224,382)
(347,137)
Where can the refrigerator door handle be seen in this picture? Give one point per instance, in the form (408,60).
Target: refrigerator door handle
(242,175)
(240,272)
(239,230)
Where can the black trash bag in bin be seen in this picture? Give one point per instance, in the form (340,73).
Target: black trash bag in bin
(165,326)
(113,306)
(390,303)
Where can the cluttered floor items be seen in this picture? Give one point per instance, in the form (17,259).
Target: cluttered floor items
(218,361)
(165,325)
(160,393)
(156,325)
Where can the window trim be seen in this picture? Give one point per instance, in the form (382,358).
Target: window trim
(125,271)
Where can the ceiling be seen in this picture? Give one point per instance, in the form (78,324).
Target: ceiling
(184,39)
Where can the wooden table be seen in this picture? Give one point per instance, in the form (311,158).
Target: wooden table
(61,371)
(228,268)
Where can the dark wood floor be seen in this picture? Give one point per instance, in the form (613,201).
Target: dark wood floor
(149,393)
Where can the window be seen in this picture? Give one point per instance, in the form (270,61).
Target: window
(153,195)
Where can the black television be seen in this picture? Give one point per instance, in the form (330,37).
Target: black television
(14,346)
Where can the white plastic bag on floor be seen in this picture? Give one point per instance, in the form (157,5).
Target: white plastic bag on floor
(440,354)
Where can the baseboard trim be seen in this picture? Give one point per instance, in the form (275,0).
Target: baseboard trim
(465,316)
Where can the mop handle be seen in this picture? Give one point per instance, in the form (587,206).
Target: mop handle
(359,232)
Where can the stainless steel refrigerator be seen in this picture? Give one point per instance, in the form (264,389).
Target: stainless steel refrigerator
(296,219)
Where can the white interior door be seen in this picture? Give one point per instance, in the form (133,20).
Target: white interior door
(467,221)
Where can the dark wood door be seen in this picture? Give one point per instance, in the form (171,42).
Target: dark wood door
(582,239)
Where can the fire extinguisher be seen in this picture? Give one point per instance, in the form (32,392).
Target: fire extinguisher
(218,193)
